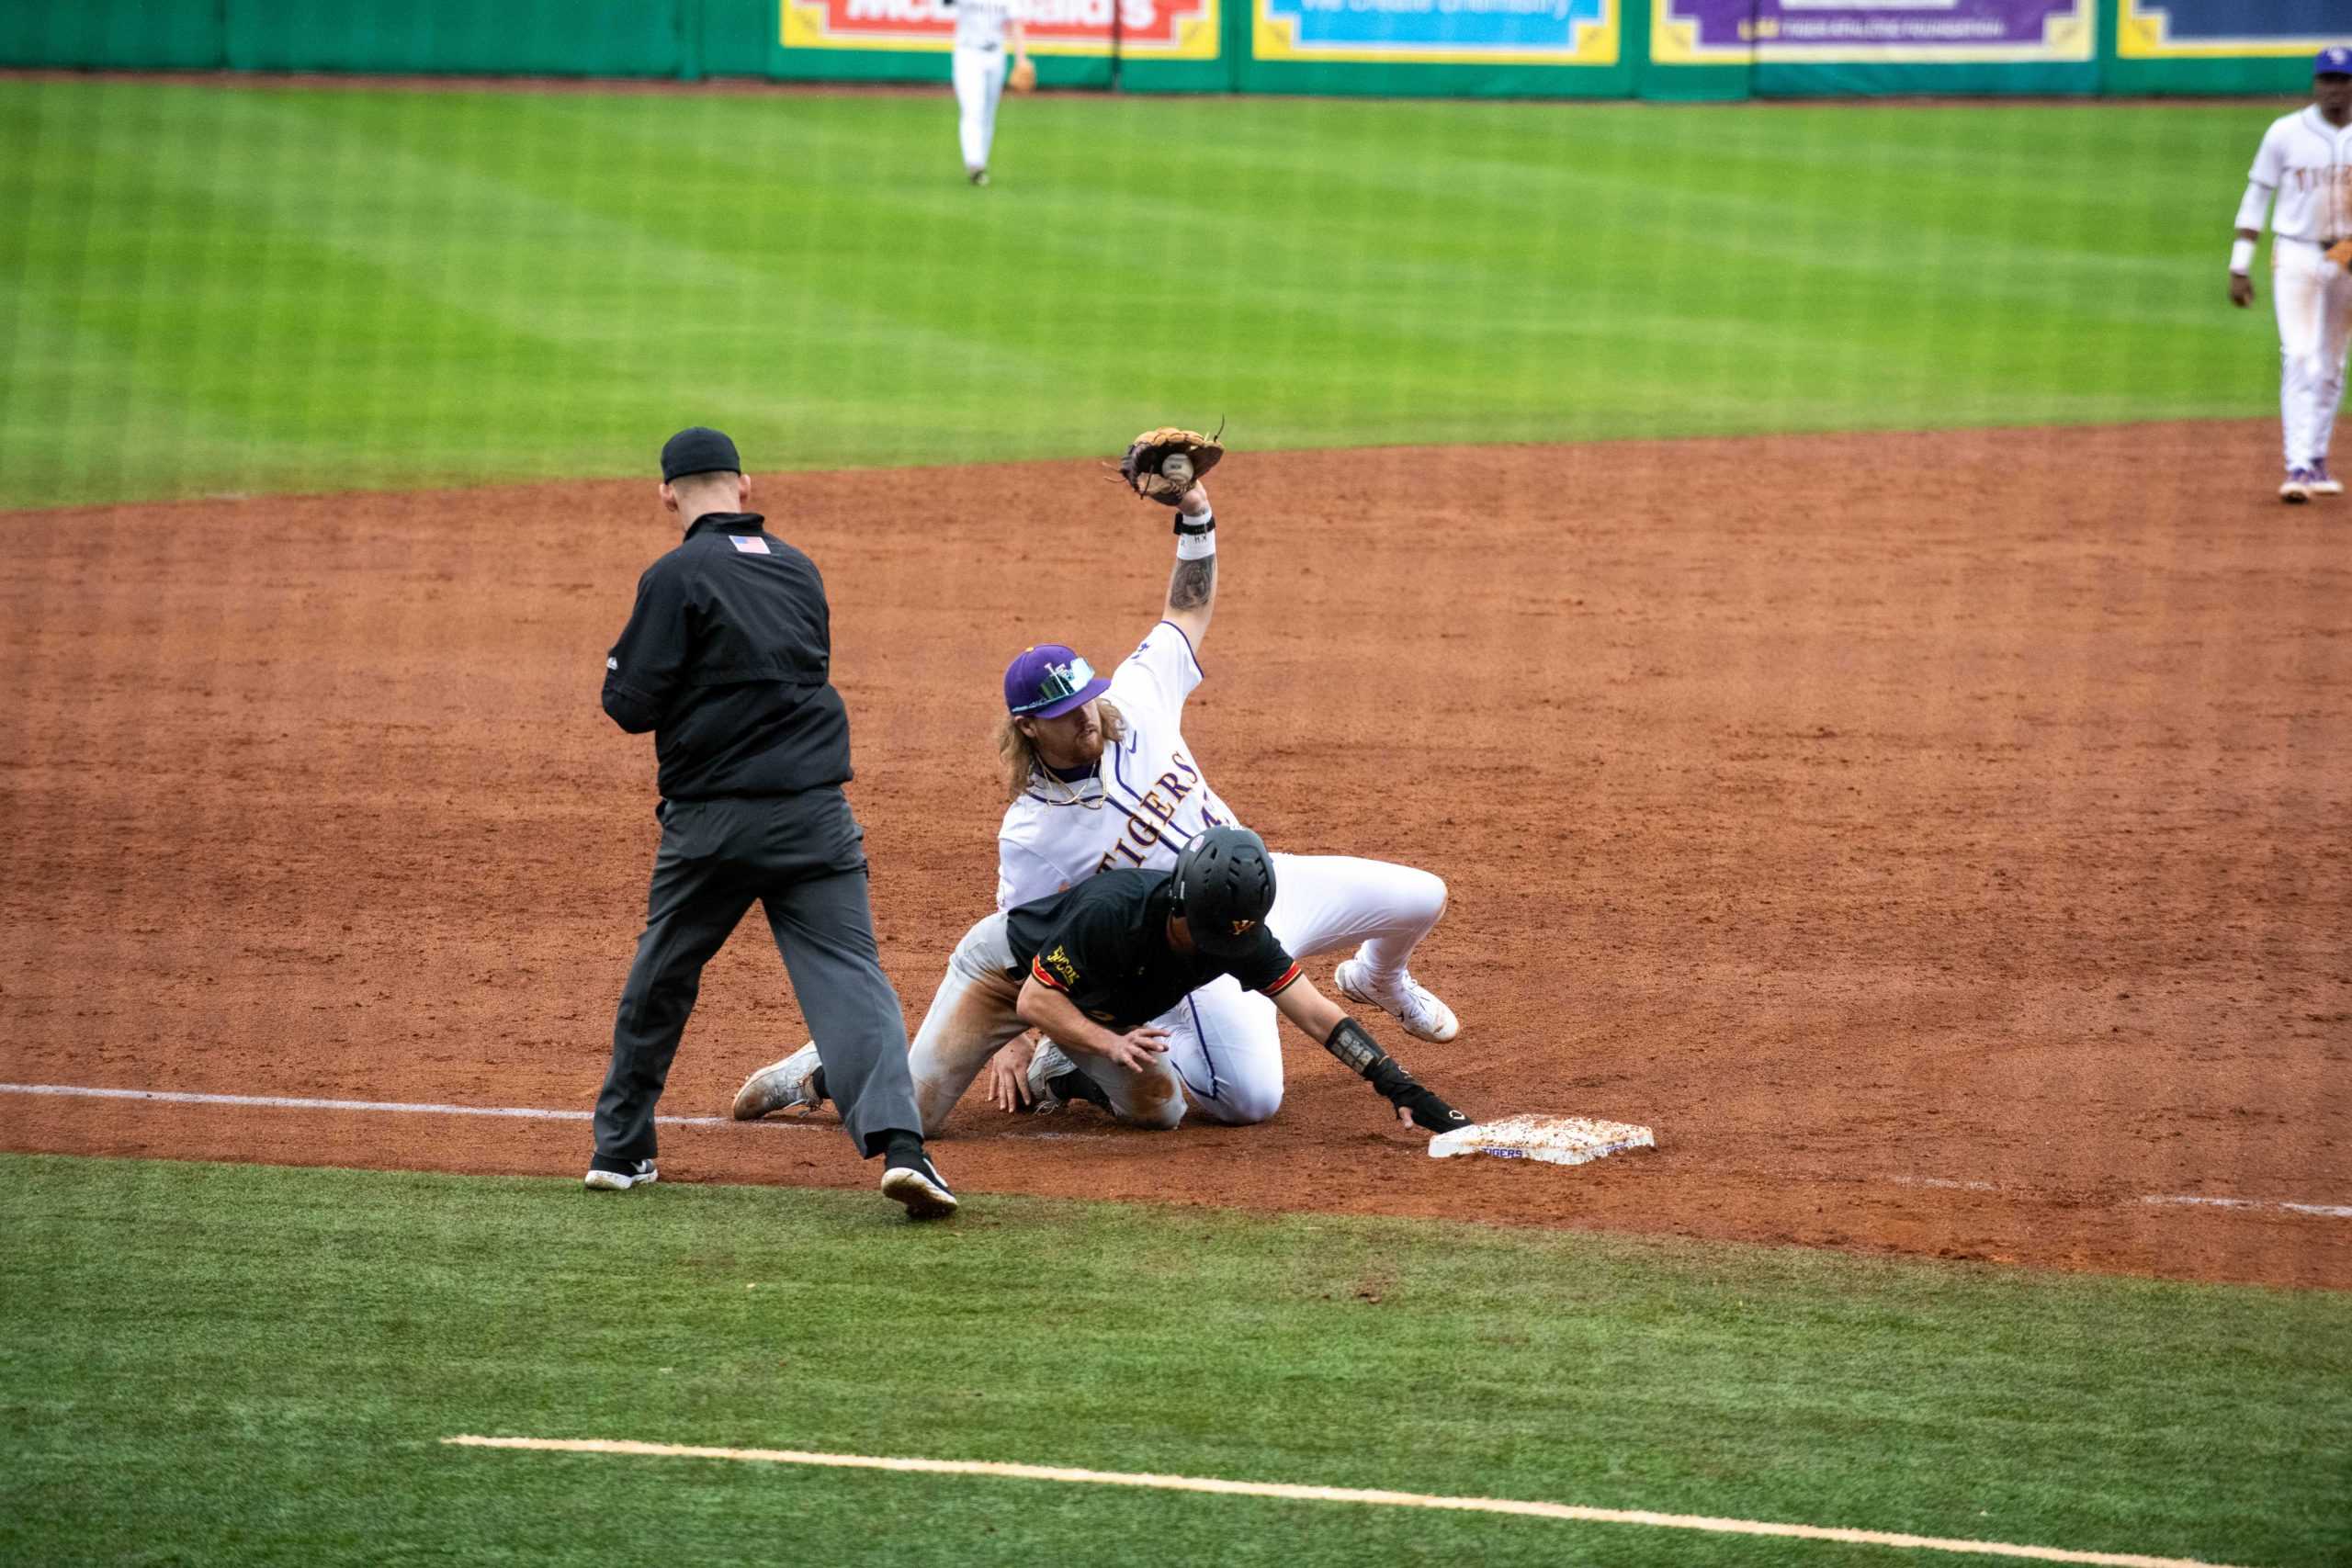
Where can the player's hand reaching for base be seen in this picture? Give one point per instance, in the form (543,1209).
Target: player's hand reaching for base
(1008,1076)
(2241,290)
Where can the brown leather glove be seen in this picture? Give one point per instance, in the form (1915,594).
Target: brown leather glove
(1163,464)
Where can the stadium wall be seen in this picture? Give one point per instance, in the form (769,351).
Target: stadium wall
(1612,49)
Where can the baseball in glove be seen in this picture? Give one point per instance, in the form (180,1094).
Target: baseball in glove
(1163,464)
(2340,252)
(1022,78)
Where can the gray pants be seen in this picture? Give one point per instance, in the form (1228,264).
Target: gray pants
(802,857)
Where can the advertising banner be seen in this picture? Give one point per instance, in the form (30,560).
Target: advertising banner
(1148,29)
(1439,32)
(2216,30)
(1873,32)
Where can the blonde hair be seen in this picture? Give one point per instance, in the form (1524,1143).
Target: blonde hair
(1017,754)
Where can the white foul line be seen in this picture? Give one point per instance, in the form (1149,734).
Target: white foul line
(283,1102)
(1337,1494)
(2333,1211)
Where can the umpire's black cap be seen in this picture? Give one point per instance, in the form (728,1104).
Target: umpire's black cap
(698,450)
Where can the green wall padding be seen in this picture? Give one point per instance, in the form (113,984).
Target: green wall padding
(114,35)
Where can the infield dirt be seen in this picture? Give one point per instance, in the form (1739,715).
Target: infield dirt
(1944,841)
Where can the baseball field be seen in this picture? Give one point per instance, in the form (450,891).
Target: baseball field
(1808,577)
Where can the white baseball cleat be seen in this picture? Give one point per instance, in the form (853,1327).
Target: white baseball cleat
(1411,1003)
(788,1085)
(1050,1063)
(2296,488)
(639,1174)
(2323,482)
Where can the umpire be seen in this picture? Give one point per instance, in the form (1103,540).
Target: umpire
(727,659)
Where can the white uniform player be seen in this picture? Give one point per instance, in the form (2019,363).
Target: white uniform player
(983,28)
(2305,166)
(1102,777)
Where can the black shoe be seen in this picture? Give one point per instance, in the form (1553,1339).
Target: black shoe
(913,1181)
(619,1175)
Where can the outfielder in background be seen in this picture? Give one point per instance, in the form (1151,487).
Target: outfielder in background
(728,660)
(1100,777)
(983,27)
(2305,164)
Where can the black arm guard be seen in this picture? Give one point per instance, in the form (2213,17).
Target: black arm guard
(1363,1055)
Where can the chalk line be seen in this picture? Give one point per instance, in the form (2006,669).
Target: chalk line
(527,1112)
(1288,1493)
(288,1102)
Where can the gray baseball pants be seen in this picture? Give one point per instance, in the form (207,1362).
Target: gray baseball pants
(802,858)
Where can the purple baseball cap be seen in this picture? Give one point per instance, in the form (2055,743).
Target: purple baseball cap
(1049,680)
(2335,62)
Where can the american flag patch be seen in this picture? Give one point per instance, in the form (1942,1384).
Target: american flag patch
(750,544)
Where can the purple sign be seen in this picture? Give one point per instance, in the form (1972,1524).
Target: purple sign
(1711,32)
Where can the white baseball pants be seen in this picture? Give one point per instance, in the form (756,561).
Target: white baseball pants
(979,86)
(2313,299)
(1225,1044)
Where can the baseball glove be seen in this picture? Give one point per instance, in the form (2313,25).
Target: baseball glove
(1024,76)
(2340,252)
(1163,464)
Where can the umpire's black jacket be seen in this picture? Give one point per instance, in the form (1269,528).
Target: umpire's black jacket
(727,658)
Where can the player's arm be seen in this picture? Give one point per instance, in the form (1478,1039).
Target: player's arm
(1044,1005)
(1323,1022)
(1192,586)
(2253,209)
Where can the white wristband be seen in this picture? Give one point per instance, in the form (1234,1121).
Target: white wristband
(1196,546)
(2241,256)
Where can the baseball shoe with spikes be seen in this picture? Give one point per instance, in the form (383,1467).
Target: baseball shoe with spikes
(796,1083)
(1411,1003)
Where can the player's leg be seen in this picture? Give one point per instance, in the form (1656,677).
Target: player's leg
(2298,295)
(694,902)
(2335,332)
(991,95)
(972,1016)
(1323,903)
(1226,1045)
(969,68)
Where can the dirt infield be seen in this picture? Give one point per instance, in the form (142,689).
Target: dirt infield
(1944,841)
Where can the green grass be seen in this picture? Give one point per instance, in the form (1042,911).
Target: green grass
(216,1364)
(205,291)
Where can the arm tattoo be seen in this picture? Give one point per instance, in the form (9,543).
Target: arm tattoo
(1193,583)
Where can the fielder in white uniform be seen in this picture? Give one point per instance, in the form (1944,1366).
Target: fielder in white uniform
(1101,776)
(2305,164)
(982,30)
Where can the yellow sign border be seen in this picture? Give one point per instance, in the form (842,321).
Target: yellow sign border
(2145,33)
(804,27)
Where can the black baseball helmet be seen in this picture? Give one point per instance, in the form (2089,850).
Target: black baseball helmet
(1223,886)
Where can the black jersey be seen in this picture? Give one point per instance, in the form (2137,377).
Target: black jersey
(1103,944)
(728,659)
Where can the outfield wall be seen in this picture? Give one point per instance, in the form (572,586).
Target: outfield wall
(1612,49)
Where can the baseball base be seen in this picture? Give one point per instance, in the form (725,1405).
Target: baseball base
(1555,1140)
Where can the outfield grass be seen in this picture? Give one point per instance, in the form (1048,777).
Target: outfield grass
(212,290)
(216,1364)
